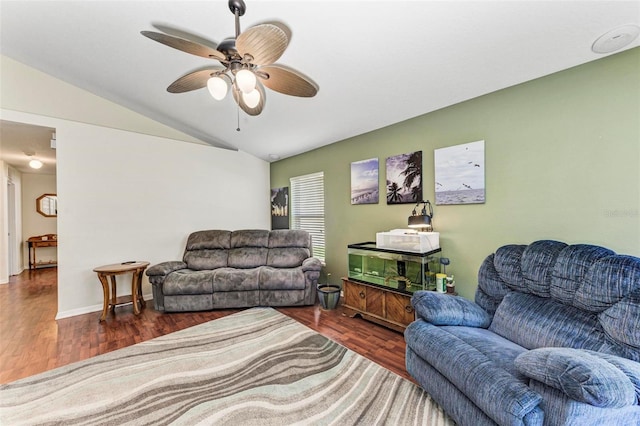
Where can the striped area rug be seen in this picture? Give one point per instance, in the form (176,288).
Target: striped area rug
(255,367)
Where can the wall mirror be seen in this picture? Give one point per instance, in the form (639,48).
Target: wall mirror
(47,205)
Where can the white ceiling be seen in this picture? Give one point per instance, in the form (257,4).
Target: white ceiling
(376,62)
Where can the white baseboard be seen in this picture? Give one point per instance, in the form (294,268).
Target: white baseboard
(92,308)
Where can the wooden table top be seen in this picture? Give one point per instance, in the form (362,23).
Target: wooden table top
(121,267)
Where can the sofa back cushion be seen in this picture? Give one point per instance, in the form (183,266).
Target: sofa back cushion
(540,292)
(288,248)
(249,248)
(207,249)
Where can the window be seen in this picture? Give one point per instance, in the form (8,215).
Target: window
(307,209)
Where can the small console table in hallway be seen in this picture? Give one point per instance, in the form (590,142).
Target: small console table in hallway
(108,273)
(48,240)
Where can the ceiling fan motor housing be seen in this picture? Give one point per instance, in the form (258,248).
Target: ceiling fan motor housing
(237,5)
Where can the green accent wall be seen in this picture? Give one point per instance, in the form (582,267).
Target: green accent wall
(562,157)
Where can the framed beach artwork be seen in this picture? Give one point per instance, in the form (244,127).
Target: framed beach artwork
(364,182)
(280,208)
(459,174)
(404,178)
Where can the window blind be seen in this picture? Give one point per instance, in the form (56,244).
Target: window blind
(307,209)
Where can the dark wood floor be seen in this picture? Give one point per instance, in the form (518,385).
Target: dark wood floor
(32,341)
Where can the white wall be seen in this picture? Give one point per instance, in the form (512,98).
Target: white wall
(128,196)
(4,224)
(33,223)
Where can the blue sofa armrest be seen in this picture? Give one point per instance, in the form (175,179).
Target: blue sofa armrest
(165,268)
(584,376)
(444,309)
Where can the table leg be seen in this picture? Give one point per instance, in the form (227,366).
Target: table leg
(140,296)
(105,292)
(114,293)
(134,291)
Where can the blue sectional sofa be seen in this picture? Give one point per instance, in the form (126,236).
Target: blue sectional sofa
(553,338)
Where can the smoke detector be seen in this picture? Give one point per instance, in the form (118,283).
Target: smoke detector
(616,39)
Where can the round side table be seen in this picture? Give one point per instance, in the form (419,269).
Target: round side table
(108,273)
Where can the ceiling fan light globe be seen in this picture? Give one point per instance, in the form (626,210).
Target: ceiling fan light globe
(35,164)
(217,88)
(246,81)
(251,99)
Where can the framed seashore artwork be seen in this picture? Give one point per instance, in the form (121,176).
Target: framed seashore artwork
(459,174)
(404,178)
(280,208)
(364,182)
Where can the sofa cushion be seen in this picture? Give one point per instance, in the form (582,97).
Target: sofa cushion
(535,322)
(508,265)
(480,364)
(443,309)
(580,375)
(282,279)
(230,279)
(206,259)
(491,288)
(609,281)
(211,239)
(538,260)
(571,268)
(250,238)
(621,324)
(289,257)
(247,257)
(289,238)
(187,281)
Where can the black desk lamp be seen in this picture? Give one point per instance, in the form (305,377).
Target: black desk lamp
(423,220)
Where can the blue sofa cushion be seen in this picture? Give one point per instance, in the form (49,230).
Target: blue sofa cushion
(443,309)
(480,364)
(582,376)
(609,281)
(535,322)
(571,269)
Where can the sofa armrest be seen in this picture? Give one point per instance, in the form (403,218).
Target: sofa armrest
(311,264)
(444,309)
(165,268)
(583,375)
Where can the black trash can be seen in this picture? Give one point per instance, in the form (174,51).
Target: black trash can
(329,295)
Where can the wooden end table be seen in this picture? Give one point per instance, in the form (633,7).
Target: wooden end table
(108,273)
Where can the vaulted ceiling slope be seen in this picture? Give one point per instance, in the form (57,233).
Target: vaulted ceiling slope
(376,62)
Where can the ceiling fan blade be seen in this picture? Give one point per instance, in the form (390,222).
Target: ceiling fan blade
(185,45)
(251,111)
(193,80)
(288,81)
(265,43)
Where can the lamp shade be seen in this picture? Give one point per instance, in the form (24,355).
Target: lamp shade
(422,220)
(35,164)
(246,81)
(251,99)
(419,221)
(217,88)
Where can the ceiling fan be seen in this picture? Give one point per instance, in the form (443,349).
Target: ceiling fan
(248,64)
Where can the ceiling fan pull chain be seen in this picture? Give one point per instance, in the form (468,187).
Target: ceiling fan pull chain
(238,115)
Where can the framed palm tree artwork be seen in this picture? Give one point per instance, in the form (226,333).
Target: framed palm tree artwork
(404,178)
(280,208)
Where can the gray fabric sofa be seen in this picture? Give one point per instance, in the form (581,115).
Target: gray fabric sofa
(553,338)
(237,269)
